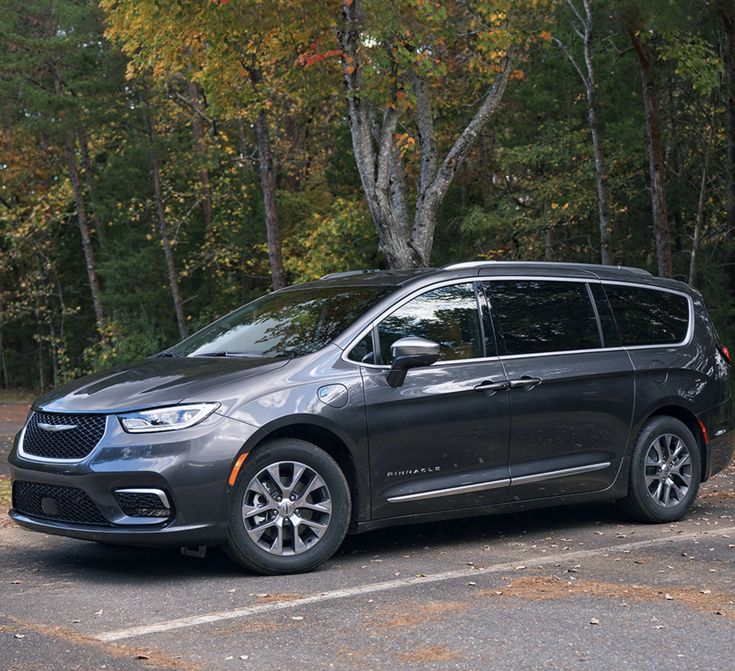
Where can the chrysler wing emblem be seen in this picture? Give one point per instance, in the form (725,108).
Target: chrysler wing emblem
(56,427)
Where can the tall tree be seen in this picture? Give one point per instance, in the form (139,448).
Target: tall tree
(390,50)
(242,54)
(727,14)
(49,48)
(584,30)
(654,143)
(195,100)
(71,160)
(173,278)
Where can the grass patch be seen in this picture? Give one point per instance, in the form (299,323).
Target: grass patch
(17,395)
(4,493)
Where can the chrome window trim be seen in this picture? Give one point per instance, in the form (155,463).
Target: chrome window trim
(49,460)
(388,311)
(502,357)
(690,324)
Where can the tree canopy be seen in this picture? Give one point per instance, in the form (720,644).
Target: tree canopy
(162,163)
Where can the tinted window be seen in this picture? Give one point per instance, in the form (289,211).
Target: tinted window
(535,316)
(283,324)
(648,316)
(447,315)
(363,351)
(604,312)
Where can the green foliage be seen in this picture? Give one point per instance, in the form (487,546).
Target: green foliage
(119,344)
(696,61)
(343,238)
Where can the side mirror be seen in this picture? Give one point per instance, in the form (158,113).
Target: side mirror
(410,353)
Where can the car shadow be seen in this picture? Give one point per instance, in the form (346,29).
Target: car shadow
(486,528)
(111,564)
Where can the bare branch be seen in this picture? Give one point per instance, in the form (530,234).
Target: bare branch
(574,9)
(570,57)
(467,139)
(429,201)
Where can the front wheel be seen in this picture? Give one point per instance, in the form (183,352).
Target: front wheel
(665,471)
(290,508)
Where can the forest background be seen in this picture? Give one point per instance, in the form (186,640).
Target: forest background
(164,162)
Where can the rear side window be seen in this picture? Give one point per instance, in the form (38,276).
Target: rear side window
(537,316)
(648,316)
(447,315)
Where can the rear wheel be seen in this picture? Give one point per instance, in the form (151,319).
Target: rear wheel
(665,471)
(291,508)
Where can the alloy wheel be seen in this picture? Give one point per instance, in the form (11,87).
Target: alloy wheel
(287,508)
(668,470)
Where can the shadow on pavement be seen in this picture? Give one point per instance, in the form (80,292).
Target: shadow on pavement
(121,564)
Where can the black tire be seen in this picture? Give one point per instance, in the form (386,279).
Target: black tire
(647,492)
(316,534)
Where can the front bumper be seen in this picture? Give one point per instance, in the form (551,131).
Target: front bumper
(191,466)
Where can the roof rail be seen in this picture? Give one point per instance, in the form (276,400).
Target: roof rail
(549,264)
(348,273)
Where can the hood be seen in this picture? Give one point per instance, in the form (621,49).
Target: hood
(151,383)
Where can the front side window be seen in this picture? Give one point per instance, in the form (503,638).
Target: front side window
(537,316)
(363,352)
(447,315)
(648,316)
(286,323)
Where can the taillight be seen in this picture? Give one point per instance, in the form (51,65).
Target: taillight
(725,352)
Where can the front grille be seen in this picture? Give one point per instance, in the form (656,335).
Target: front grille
(63,504)
(73,443)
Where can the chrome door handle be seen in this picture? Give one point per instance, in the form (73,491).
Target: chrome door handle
(525,382)
(489,385)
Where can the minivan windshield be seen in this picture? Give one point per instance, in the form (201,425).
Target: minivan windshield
(286,323)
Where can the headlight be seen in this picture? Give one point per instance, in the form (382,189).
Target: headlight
(167,419)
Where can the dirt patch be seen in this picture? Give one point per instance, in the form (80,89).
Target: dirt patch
(398,617)
(429,653)
(13,413)
(255,627)
(148,658)
(276,597)
(540,588)
(718,494)
(18,395)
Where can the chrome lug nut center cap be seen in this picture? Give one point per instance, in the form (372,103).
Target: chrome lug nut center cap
(285,508)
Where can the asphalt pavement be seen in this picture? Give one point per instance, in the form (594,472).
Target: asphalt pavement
(565,588)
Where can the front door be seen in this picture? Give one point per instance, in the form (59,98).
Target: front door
(439,441)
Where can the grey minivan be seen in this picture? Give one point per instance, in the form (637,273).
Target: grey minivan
(374,398)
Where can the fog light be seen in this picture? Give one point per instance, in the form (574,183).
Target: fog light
(143,502)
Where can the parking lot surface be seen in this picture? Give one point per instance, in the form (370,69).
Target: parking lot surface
(565,588)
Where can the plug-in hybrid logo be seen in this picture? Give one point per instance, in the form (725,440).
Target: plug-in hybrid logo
(56,427)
